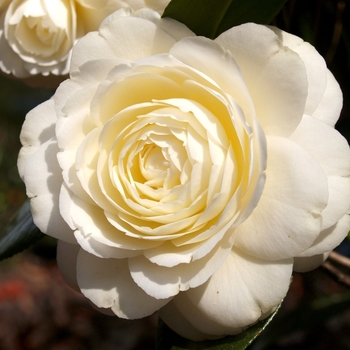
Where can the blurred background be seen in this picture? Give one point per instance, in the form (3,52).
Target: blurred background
(39,312)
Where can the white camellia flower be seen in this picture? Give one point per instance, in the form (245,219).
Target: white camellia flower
(37,36)
(189,175)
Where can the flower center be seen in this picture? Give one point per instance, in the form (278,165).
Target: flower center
(153,165)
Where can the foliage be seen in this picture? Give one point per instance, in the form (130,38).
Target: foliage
(211,18)
(20,233)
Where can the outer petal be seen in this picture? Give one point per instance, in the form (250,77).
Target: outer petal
(179,323)
(119,31)
(38,127)
(331,104)
(288,217)
(108,284)
(174,28)
(237,295)
(43,188)
(305,264)
(329,238)
(332,152)
(324,100)
(315,65)
(274,74)
(10,62)
(162,282)
(83,53)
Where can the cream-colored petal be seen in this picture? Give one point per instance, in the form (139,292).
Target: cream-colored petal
(121,31)
(218,66)
(175,29)
(331,104)
(329,238)
(237,295)
(163,282)
(38,127)
(179,323)
(43,188)
(90,220)
(83,52)
(326,144)
(288,217)
(275,75)
(170,255)
(10,62)
(332,152)
(87,242)
(305,264)
(316,69)
(108,284)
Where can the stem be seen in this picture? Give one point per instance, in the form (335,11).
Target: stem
(340,259)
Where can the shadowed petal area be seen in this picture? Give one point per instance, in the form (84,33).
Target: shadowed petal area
(163,282)
(171,315)
(308,263)
(38,127)
(43,188)
(237,294)
(329,238)
(333,156)
(108,284)
(288,216)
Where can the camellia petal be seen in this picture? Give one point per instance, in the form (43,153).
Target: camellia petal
(33,135)
(108,284)
(236,295)
(43,188)
(162,282)
(331,104)
(179,324)
(333,157)
(308,263)
(333,235)
(291,189)
(315,68)
(263,65)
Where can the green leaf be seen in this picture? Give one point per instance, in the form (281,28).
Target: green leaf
(20,233)
(212,17)
(169,340)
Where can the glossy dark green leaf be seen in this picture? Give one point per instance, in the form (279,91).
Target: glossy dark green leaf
(20,233)
(169,340)
(212,17)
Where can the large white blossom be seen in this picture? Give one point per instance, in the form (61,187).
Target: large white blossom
(189,175)
(37,36)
